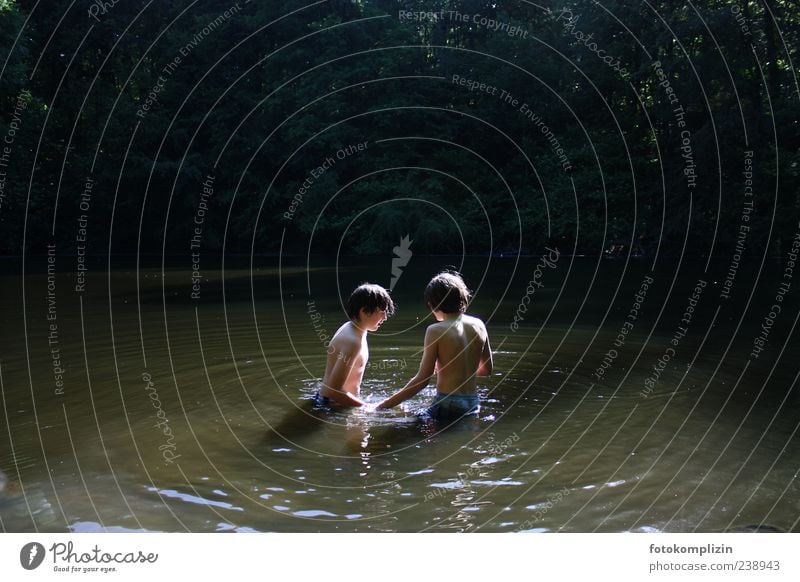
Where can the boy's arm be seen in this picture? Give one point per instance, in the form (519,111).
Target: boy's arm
(348,399)
(345,357)
(418,382)
(487,364)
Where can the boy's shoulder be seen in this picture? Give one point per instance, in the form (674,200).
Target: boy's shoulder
(345,334)
(439,325)
(472,320)
(436,330)
(442,326)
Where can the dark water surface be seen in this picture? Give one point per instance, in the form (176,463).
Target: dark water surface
(192,414)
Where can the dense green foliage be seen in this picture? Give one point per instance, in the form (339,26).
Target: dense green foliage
(261,98)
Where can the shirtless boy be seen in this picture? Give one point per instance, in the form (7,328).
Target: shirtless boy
(368,307)
(456,349)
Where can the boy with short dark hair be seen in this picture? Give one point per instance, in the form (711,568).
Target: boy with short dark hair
(456,349)
(368,307)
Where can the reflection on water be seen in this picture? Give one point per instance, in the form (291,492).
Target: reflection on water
(709,448)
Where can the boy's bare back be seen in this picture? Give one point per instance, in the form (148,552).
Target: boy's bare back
(456,347)
(462,347)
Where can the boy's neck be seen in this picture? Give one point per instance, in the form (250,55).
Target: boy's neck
(442,316)
(360,331)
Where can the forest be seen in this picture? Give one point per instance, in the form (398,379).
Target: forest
(342,126)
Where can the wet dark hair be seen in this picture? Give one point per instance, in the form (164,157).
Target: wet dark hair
(370,297)
(447,292)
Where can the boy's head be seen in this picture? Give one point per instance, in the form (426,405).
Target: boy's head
(371,298)
(447,293)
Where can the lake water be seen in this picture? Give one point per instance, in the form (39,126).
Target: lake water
(191,414)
